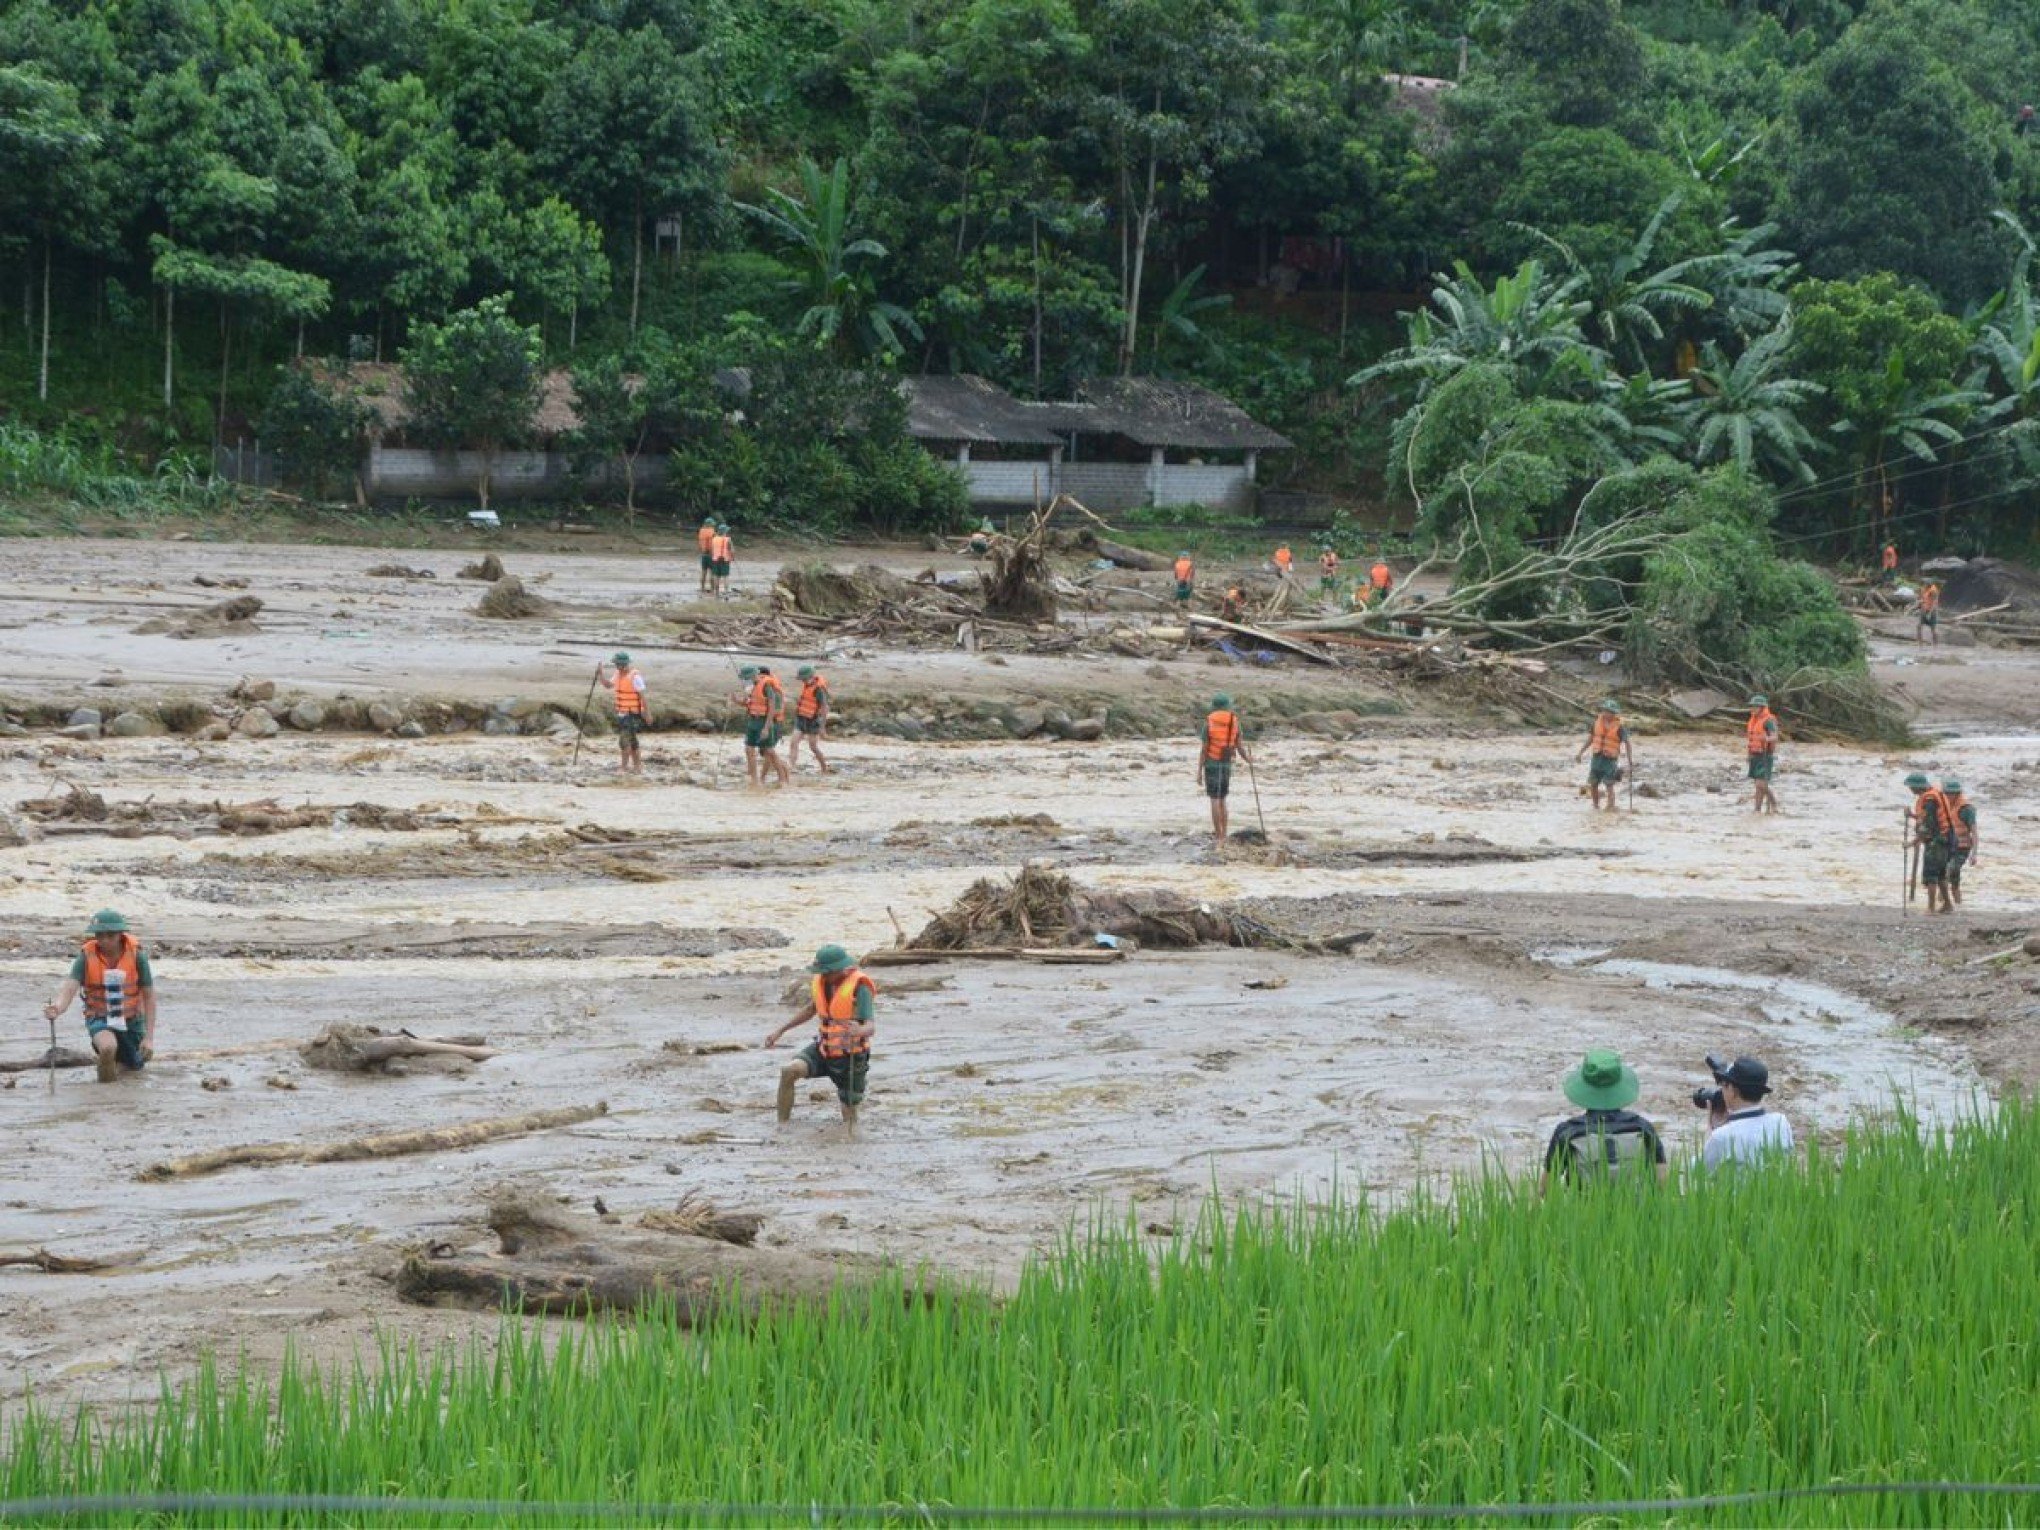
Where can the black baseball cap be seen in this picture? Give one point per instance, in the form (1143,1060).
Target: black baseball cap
(1750,1078)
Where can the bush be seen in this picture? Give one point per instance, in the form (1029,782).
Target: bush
(315,429)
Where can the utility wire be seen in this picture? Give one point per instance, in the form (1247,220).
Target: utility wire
(213,1505)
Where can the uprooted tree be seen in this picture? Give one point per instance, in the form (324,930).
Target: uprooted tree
(1557,541)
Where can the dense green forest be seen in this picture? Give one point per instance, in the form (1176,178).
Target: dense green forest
(1785,236)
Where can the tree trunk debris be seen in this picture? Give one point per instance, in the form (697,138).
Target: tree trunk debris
(386,1145)
(364,1049)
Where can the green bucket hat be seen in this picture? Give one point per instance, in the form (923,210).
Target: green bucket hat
(1221,702)
(619,657)
(830,959)
(1951,784)
(1602,1081)
(806,672)
(1760,701)
(1918,781)
(107,922)
(1612,705)
(748,672)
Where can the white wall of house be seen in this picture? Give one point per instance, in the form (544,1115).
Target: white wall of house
(1130,485)
(398,471)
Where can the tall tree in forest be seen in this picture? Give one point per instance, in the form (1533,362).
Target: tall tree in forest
(626,138)
(474,381)
(46,147)
(1171,97)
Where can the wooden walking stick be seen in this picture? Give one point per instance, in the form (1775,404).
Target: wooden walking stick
(1256,785)
(53,1052)
(581,722)
(1912,885)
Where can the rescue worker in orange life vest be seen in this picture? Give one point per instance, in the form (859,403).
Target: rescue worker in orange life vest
(764,704)
(631,710)
(840,997)
(1223,740)
(1761,734)
(1610,742)
(112,972)
(810,717)
(1963,812)
(704,539)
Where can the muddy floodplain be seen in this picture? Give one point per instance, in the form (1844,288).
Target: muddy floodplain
(630,943)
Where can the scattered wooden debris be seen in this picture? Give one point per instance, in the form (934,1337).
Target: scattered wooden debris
(63,1058)
(385,1145)
(699,1217)
(555,1262)
(509,600)
(365,1049)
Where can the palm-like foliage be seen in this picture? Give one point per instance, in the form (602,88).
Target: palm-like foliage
(2004,341)
(1746,411)
(1746,280)
(1904,416)
(1176,318)
(1527,323)
(1628,301)
(845,312)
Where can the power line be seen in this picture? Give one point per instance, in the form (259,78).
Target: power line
(214,1505)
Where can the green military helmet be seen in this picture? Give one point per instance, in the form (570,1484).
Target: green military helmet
(723,527)
(107,922)
(806,672)
(1918,781)
(748,672)
(1221,702)
(1612,705)
(619,658)
(830,959)
(1952,785)
(1760,701)
(1184,553)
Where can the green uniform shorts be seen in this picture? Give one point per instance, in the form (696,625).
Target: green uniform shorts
(760,733)
(127,1041)
(1604,770)
(1217,779)
(848,1074)
(1182,592)
(720,567)
(1934,859)
(1956,862)
(707,563)
(629,724)
(1760,765)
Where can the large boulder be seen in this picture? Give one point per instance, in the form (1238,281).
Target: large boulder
(132,725)
(384,718)
(307,717)
(256,723)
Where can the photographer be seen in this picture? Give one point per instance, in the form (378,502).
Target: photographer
(1742,1131)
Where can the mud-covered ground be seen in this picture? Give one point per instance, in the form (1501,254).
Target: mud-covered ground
(632,941)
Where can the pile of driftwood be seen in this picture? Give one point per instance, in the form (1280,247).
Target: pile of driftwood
(80,811)
(549,1260)
(365,1049)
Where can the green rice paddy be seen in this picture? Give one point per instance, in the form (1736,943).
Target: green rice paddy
(1868,1316)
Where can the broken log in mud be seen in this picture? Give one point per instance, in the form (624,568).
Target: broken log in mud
(63,1059)
(61,1264)
(386,1145)
(553,1261)
(364,1049)
(908,956)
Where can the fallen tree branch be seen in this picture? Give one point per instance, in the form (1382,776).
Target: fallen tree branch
(63,1059)
(910,956)
(1262,635)
(386,1145)
(353,1049)
(62,1264)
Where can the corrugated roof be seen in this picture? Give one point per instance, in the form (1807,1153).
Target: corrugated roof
(968,408)
(1158,412)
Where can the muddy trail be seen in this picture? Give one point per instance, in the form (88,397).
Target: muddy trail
(1389,987)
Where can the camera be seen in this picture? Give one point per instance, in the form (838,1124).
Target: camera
(1710,1099)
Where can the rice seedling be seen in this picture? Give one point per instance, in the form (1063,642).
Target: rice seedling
(1858,1319)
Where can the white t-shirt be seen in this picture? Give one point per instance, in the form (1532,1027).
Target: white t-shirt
(1747,1136)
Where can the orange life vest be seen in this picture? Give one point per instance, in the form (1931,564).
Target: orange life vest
(1185,570)
(1608,735)
(1890,555)
(629,699)
(1221,736)
(1283,559)
(1930,598)
(766,698)
(1329,562)
(127,964)
(719,549)
(1761,742)
(837,1010)
(1965,833)
(1380,577)
(811,696)
(705,538)
(1944,814)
